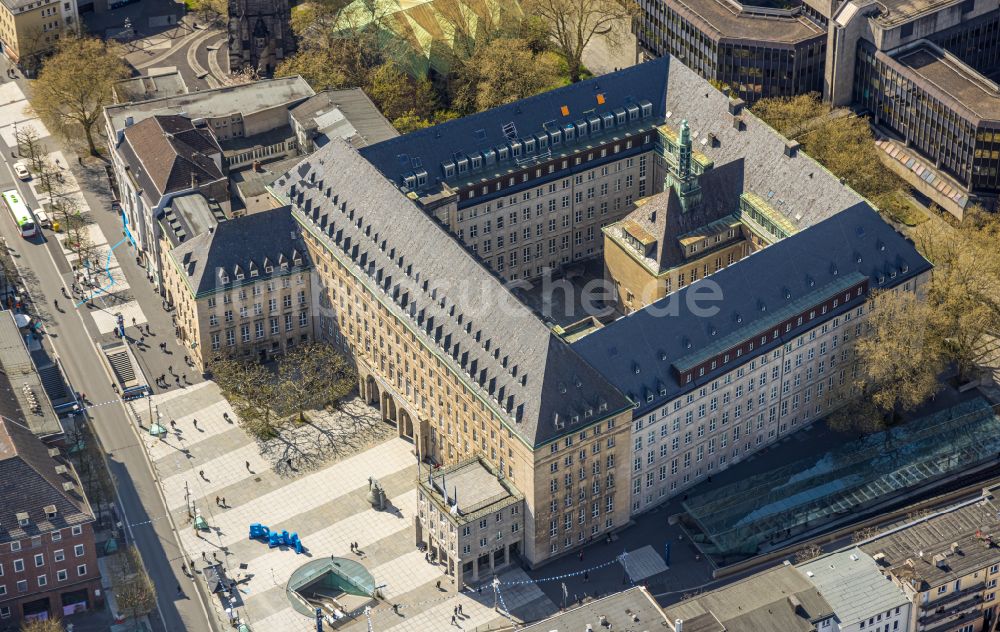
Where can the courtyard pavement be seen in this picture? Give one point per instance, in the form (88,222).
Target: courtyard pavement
(312,481)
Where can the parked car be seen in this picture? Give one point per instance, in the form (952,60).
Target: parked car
(42,218)
(21,170)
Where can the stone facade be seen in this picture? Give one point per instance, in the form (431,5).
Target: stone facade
(260,34)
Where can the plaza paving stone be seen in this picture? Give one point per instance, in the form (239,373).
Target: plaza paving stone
(326,504)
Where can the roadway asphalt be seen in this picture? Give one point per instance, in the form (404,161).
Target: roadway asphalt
(72,333)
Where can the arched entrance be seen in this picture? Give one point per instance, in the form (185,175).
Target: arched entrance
(372,396)
(388,408)
(405,424)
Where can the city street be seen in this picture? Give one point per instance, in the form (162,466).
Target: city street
(73,333)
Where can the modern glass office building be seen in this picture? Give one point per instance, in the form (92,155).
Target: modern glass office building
(939,105)
(757,51)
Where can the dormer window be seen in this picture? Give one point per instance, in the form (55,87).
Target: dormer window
(239,273)
(50,512)
(23,519)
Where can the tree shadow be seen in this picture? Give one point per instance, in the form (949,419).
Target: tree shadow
(323,436)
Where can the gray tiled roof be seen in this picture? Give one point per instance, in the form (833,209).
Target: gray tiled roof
(429,148)
(638,352)
(853,584)
(797,187)
(166,152)
(455,305)
(256,241)
(371,126)
(663,218)
(29,483)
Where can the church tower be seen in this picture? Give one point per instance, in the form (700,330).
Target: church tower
(260,34)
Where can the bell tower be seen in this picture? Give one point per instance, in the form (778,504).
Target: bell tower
(681,177)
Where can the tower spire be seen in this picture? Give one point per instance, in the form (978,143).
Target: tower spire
(681,178)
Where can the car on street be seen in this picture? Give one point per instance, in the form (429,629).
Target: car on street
(42,218)
(21,170)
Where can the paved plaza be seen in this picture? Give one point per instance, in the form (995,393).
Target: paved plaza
(323,499)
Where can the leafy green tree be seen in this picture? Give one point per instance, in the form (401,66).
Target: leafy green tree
(897,363)
(75,84)
(398,94)
(503,73)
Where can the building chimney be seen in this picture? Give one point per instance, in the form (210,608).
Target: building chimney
(678,625)
(194,180)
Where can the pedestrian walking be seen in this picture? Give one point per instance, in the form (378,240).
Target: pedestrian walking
(170,369)
(184,568)
(248,467)
(395,608)
(180,591)
(460,611)
(586,576)
(204,557)
(133,321)
(195,422)
(173,424)
(215,556)
(288,462)
(217,501)
(438,584)
(581,556)
(224,505)
(453,620)
(79,160)
(201,473)
(454,613)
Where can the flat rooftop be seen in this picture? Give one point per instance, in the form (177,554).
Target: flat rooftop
(922,551)
(731,20)
(22,396)
(146,87)
(952,78)
(901,11)
(777,599)
(245,99)
(852,582)
(632,609)
(473,487)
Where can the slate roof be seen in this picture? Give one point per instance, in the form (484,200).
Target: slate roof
(797,187)
(775,600)
(370,126)
(29,483)
(242,245)
(165,152)
(442,293)
(662,216)
(619,608)
(637,352)
(853,584)
(933,536)
(428,148)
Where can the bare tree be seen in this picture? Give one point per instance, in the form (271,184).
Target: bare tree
(134,590)
(28,145)
(312,376)
(43,625)
(574,23)
(252,393)
(807,553)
